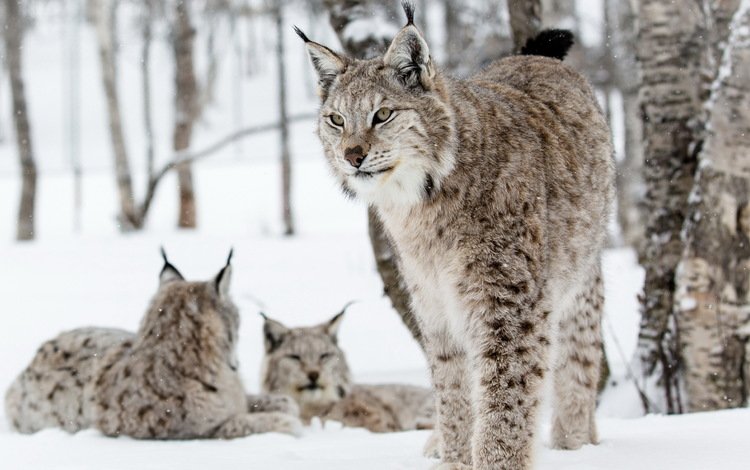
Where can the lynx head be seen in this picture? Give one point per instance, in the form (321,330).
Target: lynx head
(306,364)
(384,122)
(197,313)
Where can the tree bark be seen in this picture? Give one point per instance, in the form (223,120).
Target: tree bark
(669,48)
(712,299)
(630,186)
(186,94)
(525,20)
(14,52)
(286,164)
(104,16)
(342,13)
(147,38)
(371,39)
(475,34)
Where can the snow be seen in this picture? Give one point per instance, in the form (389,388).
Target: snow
(69,279)
(54,285)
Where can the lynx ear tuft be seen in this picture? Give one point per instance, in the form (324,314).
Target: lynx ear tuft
(168,273)
(409,55)
(222,280)
(327,64)
(409,11)
(332,326)
(273,333)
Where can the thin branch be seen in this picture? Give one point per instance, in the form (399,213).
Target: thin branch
(188,157)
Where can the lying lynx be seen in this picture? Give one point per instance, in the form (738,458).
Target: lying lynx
(308,365)
(174,379)
(495,191)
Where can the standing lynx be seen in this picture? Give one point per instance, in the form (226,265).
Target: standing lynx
(308,365)
(176,378)
(495,191)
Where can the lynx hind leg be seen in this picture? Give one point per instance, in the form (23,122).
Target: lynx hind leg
(272,402)
(50,392)
(576,371)
(25,409)
(448,364)
(258,423)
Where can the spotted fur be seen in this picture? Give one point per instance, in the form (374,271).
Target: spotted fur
(176,378)
(495,191)
(308,365)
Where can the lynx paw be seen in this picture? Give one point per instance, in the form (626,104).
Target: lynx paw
(272,402)
(432,446)
(571,440)
(286,424)
(257,423)
(451,466)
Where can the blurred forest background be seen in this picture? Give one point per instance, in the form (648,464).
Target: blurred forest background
(125,99)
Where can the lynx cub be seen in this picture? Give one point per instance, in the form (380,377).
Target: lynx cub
(308,365)
(174,379)
(495,191)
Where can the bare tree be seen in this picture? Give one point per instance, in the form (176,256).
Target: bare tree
(186,107)
(72,12)
(712,299)
(525,20)
(286,164)
(147,26)
(669,53)
(13,27)
(630,186)
(104,16)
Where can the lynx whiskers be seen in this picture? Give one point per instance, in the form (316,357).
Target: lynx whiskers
(307,364)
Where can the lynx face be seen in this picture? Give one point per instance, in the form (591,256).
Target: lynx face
(387,134)
(306,364)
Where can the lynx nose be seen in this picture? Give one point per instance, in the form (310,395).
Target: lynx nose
(354,156)
(313,376)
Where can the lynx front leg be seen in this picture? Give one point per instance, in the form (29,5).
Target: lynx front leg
(256,423)
(454,418)
(577,369)
(272,402)
(507,350)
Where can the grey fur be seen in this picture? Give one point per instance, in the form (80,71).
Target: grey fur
(496,192)
(292,354)
(176,378)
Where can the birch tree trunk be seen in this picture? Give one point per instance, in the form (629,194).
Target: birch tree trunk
(14,52)
(342,14)
(286,164)
(525,20)
(630,186)
(476,33)
(712,301)
(186,94)
(147,38)
(104,16)
(669,48)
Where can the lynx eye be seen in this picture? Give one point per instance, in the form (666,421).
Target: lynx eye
(294,357)
(325,356)
(382,115)
(336,120)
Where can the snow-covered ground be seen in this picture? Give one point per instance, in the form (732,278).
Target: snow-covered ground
(97,276)
(51,286)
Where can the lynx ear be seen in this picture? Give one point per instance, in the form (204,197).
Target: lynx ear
(332,326)
(168,273)
(327,63)
(222,280)
(273,333)
(409,55)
